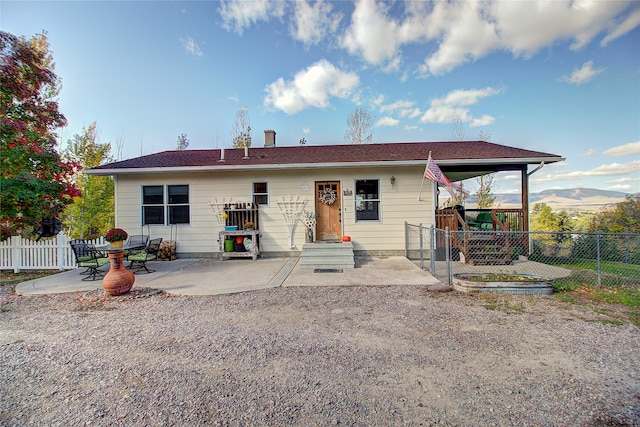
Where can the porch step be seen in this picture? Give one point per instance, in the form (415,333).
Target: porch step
(485,249)
(338,256)
(488,254)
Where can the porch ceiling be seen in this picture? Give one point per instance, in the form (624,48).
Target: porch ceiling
(460,173)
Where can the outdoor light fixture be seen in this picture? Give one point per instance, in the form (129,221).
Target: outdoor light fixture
(393,180)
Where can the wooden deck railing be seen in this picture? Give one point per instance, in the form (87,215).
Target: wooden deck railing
(502,220)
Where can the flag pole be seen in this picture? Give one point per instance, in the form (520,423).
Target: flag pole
(423,176)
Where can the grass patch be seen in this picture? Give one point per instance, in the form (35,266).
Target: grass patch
(614,292)
(8,277)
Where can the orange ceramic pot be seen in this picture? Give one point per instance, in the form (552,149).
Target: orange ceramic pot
(119,280)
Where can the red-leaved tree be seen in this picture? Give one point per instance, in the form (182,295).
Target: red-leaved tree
(35,183)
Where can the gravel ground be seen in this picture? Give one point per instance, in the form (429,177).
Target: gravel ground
(357,356)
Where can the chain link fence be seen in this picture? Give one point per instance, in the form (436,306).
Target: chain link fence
(594,259)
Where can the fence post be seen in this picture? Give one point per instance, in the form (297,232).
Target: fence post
(61,242)
(598,258)
(16,256)
(421,248)
(447,250)
(406,240)
(432,253)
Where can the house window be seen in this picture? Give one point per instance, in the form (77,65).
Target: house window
(152,204)
(367,200)
(178,205)
(156,208)
(261,193)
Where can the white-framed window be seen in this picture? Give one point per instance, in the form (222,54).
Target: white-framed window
(367,199)
(160,210)
(260,193)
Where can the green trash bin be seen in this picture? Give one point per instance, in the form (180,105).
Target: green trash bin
(228,245)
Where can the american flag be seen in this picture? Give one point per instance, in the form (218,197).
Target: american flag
(433,173)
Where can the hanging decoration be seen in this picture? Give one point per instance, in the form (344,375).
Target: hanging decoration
(328,196)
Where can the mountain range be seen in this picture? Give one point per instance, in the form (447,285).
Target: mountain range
(575,199)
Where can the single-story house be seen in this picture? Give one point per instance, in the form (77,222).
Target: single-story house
(364,191)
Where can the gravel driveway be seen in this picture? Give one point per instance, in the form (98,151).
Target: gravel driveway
(357,356)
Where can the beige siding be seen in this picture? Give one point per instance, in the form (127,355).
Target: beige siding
(399,203)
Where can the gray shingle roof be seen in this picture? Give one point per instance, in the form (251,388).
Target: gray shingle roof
(463,151)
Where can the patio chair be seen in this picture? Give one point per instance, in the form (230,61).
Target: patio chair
(135,244)
(149,254)
(87,256)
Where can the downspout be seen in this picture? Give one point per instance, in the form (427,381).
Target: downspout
(540,166)
(115,200)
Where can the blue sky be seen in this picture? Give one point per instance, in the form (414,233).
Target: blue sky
(561,77)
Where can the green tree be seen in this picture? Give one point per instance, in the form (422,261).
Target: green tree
(544,219)
(90,215)
(484,194)
(35,183)
(183,142)
(359,124)
(624,217)
(241,131)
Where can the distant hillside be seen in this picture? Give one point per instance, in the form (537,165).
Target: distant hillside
(578,199)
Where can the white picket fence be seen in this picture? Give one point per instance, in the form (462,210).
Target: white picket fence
(55,253)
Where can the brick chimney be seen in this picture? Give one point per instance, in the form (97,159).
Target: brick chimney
(269,138)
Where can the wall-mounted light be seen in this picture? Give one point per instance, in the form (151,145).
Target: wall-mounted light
(393,180)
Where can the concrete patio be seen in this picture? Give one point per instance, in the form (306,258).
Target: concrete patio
(211,276)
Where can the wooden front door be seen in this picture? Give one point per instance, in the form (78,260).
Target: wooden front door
(328,212)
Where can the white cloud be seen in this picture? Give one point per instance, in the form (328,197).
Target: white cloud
(629,149)
(613,169)
(625,179)
(454,106)
(582,75)
(412,114)
(312,23)
(589,152)
(454,32)
(400,104)
(467,31)
(628,24)
(408,127)
(624,184)
(238,14)
(387,121)
(306,131)
(482,121)
(464,34)
(191,46)
(372,34)
(311,87)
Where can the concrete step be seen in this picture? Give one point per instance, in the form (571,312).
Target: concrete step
(327,256)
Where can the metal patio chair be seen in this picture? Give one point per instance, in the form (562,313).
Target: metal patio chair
(149,254)
(87,256)
(135,244)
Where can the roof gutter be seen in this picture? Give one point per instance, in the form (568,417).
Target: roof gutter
(279,166)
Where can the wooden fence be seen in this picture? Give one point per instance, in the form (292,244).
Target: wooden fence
(17,253)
